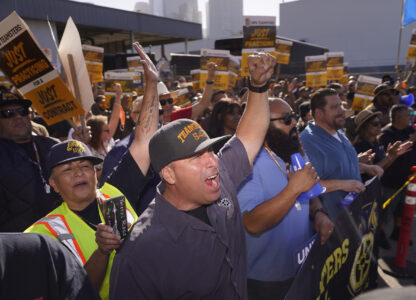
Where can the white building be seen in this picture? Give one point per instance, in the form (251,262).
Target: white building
(367,30)
(225,19)
(186,10)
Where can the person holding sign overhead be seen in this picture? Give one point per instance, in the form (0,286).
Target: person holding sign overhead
(192,112)
(77,223)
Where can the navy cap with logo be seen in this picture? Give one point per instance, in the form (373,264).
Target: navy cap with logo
(68,151)
(7,98)
(177,140)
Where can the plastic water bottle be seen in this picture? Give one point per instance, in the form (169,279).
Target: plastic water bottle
(348,199)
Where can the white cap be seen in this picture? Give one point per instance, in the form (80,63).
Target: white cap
(162,89)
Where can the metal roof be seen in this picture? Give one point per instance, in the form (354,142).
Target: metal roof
(103,25)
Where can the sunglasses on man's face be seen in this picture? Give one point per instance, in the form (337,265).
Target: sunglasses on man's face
(12,112)
(287,118)
(163,102)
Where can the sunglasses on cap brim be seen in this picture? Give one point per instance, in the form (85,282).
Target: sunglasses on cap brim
(12,112)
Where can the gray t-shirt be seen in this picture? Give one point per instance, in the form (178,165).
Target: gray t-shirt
(169,254)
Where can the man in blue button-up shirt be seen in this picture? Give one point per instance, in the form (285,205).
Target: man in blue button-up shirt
(331,153)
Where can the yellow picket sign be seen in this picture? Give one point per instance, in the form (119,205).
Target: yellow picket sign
(94,61)
(334,65)
(24,63)
(54,102)
(283,49)
(364,94)
(316,75)
(411,51)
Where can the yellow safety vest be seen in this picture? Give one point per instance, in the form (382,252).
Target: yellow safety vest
(68,228)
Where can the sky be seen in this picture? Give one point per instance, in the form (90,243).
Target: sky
(250,7)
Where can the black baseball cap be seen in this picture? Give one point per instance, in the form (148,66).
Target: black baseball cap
(7,98)
(67,151)
(177,140)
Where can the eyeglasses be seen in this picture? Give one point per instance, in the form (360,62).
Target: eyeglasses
(11,113)
(287,118)
(163,102)
(376,123)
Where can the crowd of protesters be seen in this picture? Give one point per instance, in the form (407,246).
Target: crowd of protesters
(212,207)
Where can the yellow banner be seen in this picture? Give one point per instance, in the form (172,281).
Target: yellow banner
(317,79)
(196,82)
(411,51)
(94,61)
(221,79)
(334,65)
(21,59)
(93,53)
(361,101)
(125,79)
(133,62)
(26,66)
(283,49)
(315,67)
(139,80)
(95,71)
(316,63)
(234,65)
(183,98)
(54,102)
(364,94)
(220,57)
(345,76)
(259,32)
(232,79)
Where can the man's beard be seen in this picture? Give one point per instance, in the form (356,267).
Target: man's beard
(283,144)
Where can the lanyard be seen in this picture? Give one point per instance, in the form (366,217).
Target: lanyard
(37,163)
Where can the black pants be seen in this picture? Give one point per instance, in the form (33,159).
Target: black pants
(268,290)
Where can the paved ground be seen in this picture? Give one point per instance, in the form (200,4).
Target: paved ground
(386,263)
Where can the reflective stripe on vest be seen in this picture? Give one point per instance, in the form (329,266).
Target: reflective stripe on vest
(59,228)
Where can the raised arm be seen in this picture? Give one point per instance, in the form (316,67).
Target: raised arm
(254,123)
(115,113)
(199,107)
(149,115)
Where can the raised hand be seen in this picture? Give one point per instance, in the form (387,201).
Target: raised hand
(292,85)
(150,70)
(212,67)
(118,90)
(261,67)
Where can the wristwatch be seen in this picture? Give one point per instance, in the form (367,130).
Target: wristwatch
(260,89)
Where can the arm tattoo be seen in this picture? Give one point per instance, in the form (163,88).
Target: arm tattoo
(150,116)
